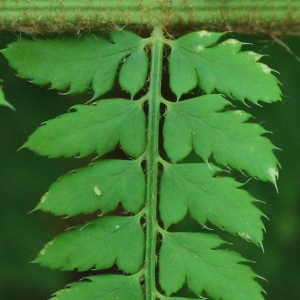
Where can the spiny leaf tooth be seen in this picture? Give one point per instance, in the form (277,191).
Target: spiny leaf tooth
(265,68)
(255,55)
(274,174)
(3,101)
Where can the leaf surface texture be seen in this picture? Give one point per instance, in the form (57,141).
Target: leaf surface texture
(76,63)
(222,275)
(193,188)
(98,244)
(105,287)
(195,60)
(115,121)
(201,124)
(101,186)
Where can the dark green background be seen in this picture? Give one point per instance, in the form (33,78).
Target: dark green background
(25,177)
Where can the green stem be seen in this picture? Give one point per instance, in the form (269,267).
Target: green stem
(275,16)
(152,161)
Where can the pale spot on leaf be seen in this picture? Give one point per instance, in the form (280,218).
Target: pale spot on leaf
(266,69)
(273,173)
(97,191)
(256,56)
(44,198)
(43,251)
(198,48)
(231,41)
(239,112)
(244,235)
(204,33)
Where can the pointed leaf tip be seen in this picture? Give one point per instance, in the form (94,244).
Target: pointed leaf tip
(134,71)
(3,101)
(273,173)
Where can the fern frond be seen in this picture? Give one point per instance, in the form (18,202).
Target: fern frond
(154,260)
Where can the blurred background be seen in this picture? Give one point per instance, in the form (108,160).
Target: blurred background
(25,177)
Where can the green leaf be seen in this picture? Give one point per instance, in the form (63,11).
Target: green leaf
(222,67)
(179,64)
(104,287)
(93,128)
(3,101)
(200,124)
(192,257)
(72,62)
(192,187)
(98,244)
(101,186)
(134,72)
(180,298)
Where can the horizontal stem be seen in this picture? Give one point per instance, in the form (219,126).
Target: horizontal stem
(270,16)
